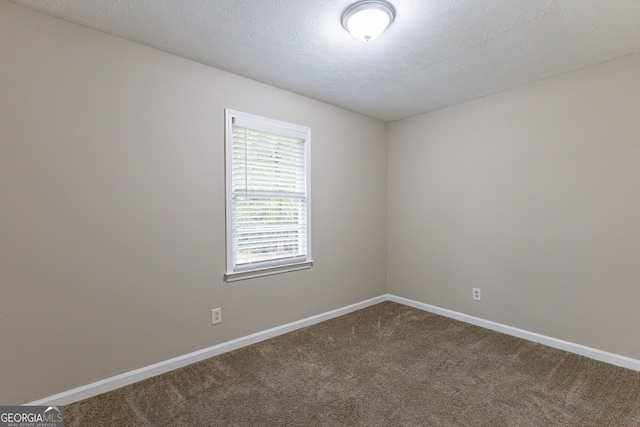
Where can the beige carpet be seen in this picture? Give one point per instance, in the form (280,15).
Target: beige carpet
(386,365)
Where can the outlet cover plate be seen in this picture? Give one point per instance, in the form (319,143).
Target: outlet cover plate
(216,316)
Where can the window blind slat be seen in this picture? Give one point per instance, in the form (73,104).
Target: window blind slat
(253,165)
(265,143)
(267,127)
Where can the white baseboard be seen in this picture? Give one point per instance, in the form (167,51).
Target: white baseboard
(131,377)
(603,356)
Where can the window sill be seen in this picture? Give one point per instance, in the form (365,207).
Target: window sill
(234,276)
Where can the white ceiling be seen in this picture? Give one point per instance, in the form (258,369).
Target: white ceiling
(437,52)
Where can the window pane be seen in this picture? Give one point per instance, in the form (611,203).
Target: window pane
(268,229)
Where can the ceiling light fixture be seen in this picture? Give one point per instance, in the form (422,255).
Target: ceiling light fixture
(367,19)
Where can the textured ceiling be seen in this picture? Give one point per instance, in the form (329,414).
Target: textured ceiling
(437,52)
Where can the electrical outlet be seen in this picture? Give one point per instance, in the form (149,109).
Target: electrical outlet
(476,294)
(216,316)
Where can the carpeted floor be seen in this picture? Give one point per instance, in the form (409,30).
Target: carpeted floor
(386,365)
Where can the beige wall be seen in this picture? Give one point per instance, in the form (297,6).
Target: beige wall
(112,207)
(532,195)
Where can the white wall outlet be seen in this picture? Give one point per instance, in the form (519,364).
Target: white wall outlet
(216,316)
(476,294)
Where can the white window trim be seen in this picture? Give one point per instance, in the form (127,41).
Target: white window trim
(233,273)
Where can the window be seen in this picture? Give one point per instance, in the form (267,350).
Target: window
(267,190)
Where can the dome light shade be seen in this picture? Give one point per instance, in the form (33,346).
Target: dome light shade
(367,19)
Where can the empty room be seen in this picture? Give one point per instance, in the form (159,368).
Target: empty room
(268,213)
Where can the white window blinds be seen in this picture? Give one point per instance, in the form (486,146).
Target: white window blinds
(268,194)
